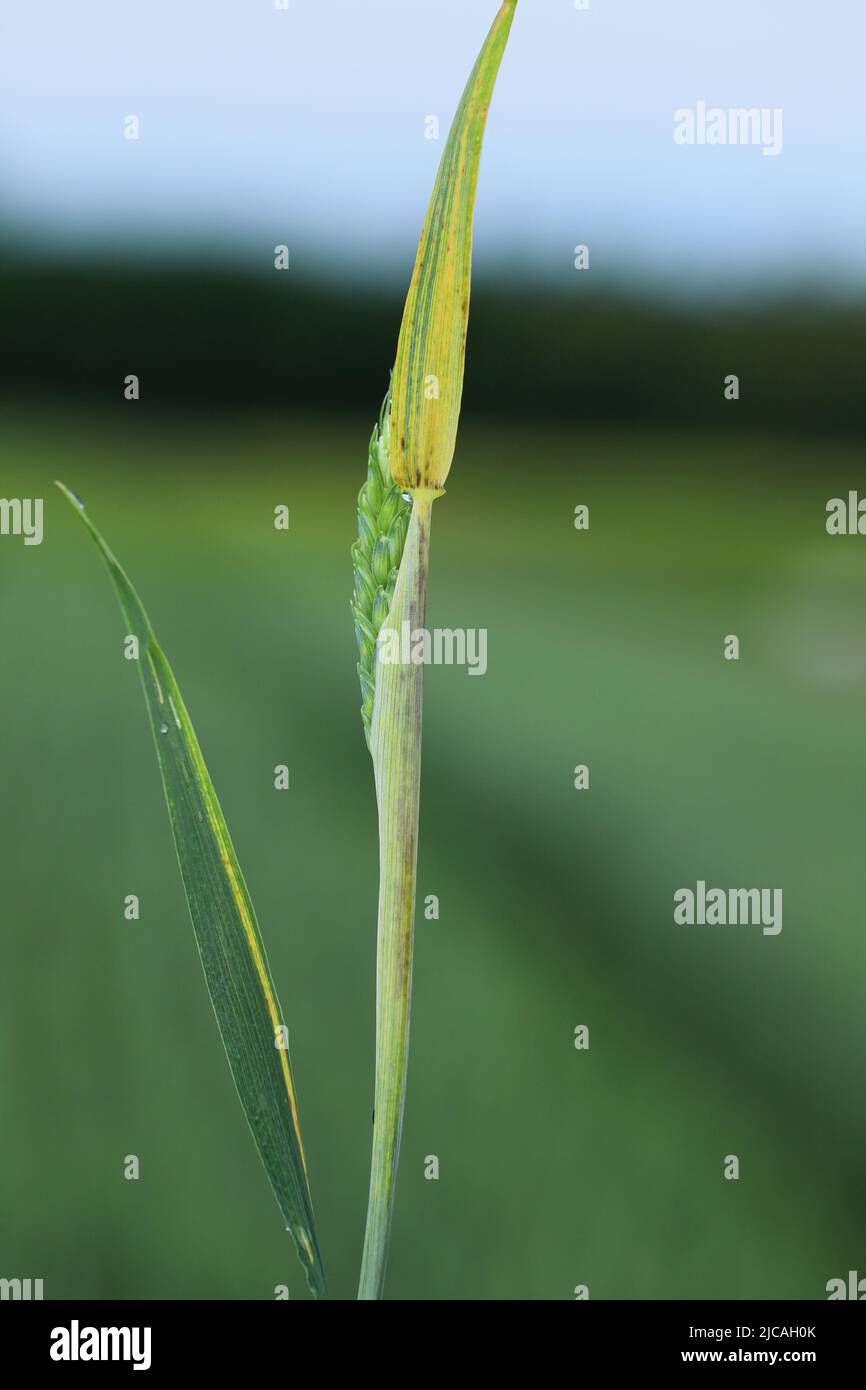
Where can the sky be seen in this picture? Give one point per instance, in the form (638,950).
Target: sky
(307,126)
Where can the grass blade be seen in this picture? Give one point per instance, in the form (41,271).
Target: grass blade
(239,982)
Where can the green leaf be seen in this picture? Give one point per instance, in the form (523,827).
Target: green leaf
(427,385)
(239,982)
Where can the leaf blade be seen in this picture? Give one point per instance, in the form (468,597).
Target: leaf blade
(432,342)
(230,946)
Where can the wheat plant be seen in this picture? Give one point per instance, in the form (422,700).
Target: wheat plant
(417,435)
(409,459)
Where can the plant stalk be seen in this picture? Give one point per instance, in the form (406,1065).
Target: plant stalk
(396,748)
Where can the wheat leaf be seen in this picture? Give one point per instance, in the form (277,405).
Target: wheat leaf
(427,385)
(239,982)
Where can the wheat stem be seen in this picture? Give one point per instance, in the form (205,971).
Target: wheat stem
(396,748)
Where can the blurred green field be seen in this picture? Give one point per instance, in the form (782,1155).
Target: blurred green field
(557,1167)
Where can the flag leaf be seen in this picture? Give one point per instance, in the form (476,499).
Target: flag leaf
(427,384)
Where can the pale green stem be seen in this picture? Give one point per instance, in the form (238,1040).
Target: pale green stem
(396,748)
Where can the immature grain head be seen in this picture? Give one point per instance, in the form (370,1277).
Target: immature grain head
(383,516)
